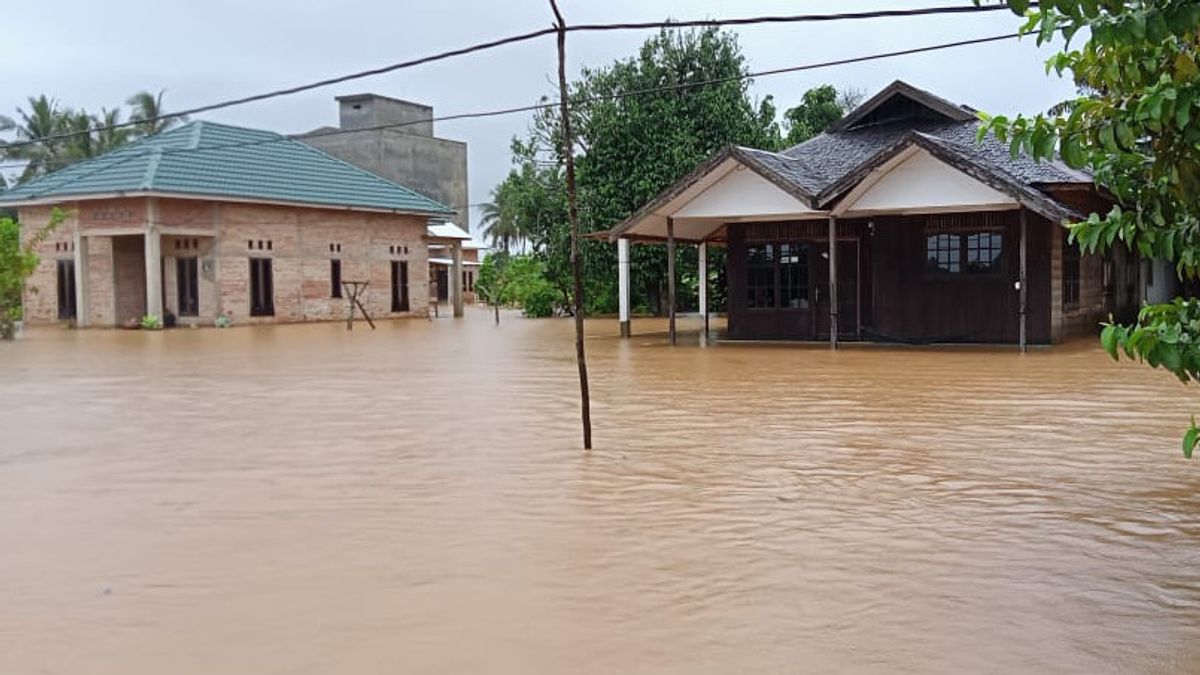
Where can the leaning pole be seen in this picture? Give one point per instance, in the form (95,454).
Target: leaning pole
(568,142)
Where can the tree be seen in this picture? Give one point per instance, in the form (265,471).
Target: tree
(820,107)
(1135,128)
(146,109)
(50,137)
(17,262)
(630,147)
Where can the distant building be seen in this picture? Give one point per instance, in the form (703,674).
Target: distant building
(209,219)
(394,139)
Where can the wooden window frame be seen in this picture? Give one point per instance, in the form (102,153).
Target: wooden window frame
(1072,273)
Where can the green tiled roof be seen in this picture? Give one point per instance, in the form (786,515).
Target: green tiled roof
(218,160)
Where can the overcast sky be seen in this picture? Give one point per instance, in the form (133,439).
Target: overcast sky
(93,54)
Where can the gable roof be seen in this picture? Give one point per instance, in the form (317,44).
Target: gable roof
(938,107)
(218,160)
(787,175)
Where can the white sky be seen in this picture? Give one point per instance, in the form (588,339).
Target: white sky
(92,54)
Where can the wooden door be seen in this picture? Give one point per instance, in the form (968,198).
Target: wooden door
(847,262)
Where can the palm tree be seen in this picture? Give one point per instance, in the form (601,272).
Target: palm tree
(498,224)
(147,111)
(108,138)
(43,121)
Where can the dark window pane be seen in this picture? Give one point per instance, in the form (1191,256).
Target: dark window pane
(943,253)
(335,278)
(262,288)
(1071,273)
(983,252)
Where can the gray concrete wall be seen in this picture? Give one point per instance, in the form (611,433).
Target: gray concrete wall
(409,155)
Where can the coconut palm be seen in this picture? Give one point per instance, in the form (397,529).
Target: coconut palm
(147,111)
(498,225)
(42,121)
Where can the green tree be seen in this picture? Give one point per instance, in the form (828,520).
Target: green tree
(37,131)
(1135,128)
(820,107)
(17,262)
(629,147)
(146,109)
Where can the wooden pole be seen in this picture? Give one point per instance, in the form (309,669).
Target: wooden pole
(702,273)
(671,278)
(1022,286)
(568,142)
(833,289)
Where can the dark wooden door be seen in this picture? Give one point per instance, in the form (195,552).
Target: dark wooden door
(847,288)
(187,281)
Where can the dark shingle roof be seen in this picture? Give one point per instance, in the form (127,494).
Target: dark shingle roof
(218,160)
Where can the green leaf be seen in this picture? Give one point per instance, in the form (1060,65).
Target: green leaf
(1019,7)
(1190,439)
(1108,338)
(1108,138)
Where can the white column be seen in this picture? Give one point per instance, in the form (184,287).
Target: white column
(623,285)
(154,301)
(702,273)
(456,283)
(82,310)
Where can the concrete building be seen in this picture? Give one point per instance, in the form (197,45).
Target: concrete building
(368,137)
(210,220)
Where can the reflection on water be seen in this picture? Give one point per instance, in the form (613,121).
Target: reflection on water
(301,499)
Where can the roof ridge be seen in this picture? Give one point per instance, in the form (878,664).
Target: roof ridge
(153,159)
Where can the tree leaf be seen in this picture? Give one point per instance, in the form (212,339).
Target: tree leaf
(1108,338)
(1190,439)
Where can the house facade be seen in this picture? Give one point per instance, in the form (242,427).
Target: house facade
(209,220)
(895,225)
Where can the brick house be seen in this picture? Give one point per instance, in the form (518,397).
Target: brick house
(209,219)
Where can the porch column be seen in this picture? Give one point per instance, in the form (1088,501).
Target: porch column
(82,310)
(456,283)
(671,278)
(833,290)
(153,240)
(702,273)
(623,285)
(1022,286)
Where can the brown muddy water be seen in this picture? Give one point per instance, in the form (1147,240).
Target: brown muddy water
(301,499)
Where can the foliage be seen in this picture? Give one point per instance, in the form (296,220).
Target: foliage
(1135,127)
(145,108)
(151,322)
(17,262)
(520,280)
(820,107)
(45,119)
(628,149)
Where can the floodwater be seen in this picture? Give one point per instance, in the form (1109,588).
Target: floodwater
(303,499)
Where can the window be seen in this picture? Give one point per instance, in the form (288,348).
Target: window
(65,271)
(943,253)
(793,276)
(186,282)
(983,252)
(399,286)
(262,288)
(777,276)
(1070,273)
(335,278)
(969,253)
(760,276)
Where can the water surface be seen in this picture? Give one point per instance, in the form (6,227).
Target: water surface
(303,499)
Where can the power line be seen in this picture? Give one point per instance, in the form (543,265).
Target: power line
(595,99)
(524,37)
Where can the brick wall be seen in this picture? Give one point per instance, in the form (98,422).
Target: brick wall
(1093,301)
(223,237)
